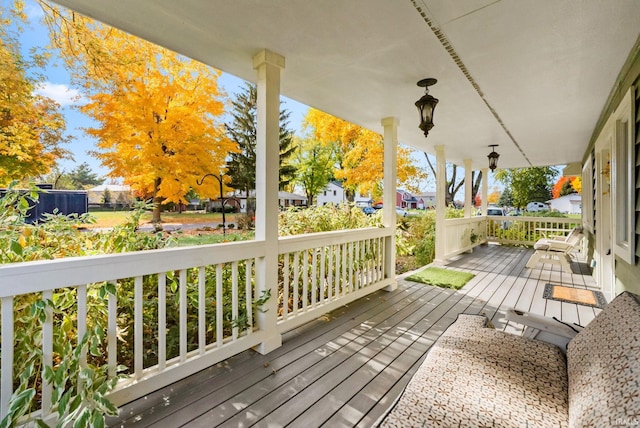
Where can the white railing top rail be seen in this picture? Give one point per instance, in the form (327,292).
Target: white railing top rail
(37,276)
(464,220)
(530,219)
(287,244)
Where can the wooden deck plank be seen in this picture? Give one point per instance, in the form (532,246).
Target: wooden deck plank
(360,346)
(309,335)
(348,367)
(247,388)
(514,267)
(396,361)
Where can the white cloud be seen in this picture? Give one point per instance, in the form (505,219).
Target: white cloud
(59,92)
(33,11)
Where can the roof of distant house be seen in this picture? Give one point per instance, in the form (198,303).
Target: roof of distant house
(111,188)
(281,195)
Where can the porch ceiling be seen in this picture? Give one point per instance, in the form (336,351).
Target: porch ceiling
(542,68)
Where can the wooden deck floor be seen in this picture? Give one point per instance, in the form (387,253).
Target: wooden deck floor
(348,367)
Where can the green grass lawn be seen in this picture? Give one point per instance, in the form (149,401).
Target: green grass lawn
(440,277)
(114,218)
(184,240)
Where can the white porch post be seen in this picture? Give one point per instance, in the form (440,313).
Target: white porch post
(441,203)
(468,188)
(268,66)
(390,172)
(485,189)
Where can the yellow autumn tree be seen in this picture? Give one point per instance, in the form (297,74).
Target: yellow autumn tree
(156,110)
(360,154)
(31,126)
(576,183)
(493,197)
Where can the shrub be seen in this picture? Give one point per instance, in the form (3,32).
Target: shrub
(54,237)
(324,219)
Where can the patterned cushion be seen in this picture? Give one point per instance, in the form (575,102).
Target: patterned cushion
(475,376)
(603,364)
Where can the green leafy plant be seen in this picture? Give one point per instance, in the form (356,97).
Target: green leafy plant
(79,386)
(242,321)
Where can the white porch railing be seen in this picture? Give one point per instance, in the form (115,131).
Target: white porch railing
(462,234)
(175,325)
(322,271)
(526,230)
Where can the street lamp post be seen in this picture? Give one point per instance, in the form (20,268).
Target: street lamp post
(222,198)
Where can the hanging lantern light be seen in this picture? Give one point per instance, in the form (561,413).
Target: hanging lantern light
(426,105)
(493,157)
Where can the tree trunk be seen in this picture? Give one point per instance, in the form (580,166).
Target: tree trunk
(476,184)
(157,202)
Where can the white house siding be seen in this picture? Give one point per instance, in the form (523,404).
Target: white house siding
(567,204)
(332,194)
(426,200)
(626,274)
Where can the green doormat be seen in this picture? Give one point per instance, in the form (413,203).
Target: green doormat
(439,277)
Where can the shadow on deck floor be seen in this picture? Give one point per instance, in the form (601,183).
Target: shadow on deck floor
(347,367)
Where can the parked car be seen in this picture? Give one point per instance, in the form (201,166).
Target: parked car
(499,211)
(537,206)
(401,213)
(368,210)
(495,211)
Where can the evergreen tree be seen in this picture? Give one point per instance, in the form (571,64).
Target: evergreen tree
(567,188)
(83,177)
(241,167)
(505,199)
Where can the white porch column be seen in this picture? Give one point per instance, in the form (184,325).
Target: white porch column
(468,188)
(268,65)
(390,171)
(485,189)
(441,203)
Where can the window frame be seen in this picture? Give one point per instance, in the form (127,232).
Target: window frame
(623,180)
(587,194)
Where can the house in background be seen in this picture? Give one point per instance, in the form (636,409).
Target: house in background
(120,195)
(567,204)
(285,200)
(426,200)
(333,193)
(406,200)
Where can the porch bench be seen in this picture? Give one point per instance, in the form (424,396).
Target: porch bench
(477,376)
